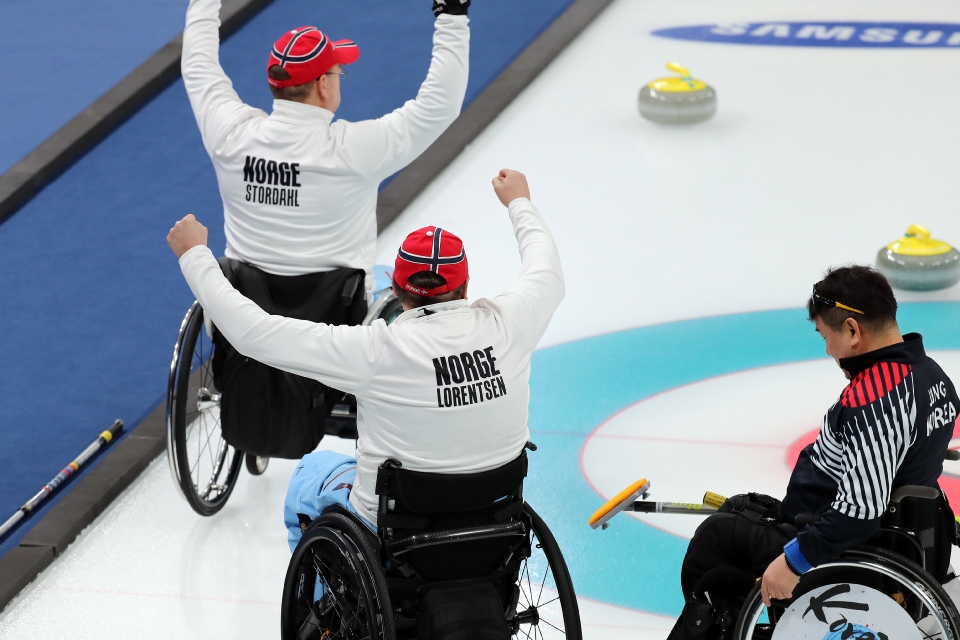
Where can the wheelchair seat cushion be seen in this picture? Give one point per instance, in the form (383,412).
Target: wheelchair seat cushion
(266,411)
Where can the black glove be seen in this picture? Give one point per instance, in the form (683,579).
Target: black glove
(452,7)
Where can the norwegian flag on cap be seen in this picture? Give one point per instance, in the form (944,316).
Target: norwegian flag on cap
(431,249)
(306,54)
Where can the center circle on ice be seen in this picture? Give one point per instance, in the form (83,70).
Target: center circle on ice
(730,434)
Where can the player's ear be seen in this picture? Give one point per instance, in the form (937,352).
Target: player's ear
(853,329)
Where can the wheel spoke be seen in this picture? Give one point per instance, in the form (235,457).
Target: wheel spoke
(554,626)
(542,582)
(525,578)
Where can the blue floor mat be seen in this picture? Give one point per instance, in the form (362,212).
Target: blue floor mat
(58,56)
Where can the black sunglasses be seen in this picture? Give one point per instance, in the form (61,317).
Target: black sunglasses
(833,303)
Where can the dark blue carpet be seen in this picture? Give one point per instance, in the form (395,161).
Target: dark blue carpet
(92,296)
(58,56)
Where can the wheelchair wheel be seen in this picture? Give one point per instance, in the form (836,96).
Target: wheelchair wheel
(387,307)
(256,465)
(204,466)
(337,556)
(546,604)
(391,310)
(903,587)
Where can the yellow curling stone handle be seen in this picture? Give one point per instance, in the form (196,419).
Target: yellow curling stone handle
(684,84)
(917,242)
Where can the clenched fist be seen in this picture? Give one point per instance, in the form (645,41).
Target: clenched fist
(510,185)
(186,234)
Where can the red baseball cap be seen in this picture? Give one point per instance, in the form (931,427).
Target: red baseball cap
(306,53)
(431,249)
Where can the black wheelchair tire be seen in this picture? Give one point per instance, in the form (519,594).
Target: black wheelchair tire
(561,575)
(343,532)
(894,561)
(391,310)
(255,464)
(182,392)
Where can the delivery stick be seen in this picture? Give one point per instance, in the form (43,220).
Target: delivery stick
(105,438)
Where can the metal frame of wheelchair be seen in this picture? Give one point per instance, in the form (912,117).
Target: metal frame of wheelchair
(369,581)
(905,581)
(204,466)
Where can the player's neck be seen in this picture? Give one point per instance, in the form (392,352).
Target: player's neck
(874,342)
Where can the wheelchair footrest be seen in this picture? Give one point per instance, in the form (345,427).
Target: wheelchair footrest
(420,540)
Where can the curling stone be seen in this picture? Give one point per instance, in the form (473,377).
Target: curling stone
(673,100)
(918,262)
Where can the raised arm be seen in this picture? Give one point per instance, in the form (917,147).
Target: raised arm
(216,106)
(528,304)
(342,357)
(379,148)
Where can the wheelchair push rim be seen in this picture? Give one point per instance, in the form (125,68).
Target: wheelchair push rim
(203,465)
(925,601)
(546,603)
(335,555)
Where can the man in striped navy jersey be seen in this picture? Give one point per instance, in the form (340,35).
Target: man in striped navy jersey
(890,427)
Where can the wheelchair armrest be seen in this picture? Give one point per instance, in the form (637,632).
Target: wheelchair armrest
(951,454)
(913,491)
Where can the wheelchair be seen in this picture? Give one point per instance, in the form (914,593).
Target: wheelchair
(880,590)
(204,466)
(435,532)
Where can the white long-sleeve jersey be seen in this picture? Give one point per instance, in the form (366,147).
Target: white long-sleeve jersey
(300,191)
(445,388)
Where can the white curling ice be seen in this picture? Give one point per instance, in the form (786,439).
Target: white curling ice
(816,157)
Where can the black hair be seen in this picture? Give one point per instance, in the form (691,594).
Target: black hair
(861,287)
(427,280)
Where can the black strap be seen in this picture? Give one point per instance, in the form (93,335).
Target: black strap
(509,511)
(304,521)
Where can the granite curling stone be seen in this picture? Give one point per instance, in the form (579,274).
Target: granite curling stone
(918,262)
(673,100)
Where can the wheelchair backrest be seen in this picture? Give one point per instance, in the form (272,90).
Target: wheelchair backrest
(414,503)
(933,528)
(417,492)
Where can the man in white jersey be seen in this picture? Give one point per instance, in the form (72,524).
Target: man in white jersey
(299,190)
(443,389)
